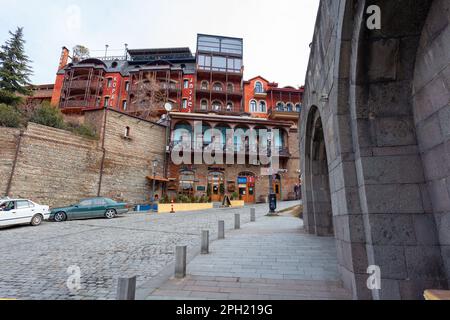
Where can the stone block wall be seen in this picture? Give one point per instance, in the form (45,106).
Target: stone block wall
(56,167)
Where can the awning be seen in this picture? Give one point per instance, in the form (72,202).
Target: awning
(158,178)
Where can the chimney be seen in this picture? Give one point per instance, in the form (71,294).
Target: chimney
(64,58)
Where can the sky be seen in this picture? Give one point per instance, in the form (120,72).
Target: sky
(276,34)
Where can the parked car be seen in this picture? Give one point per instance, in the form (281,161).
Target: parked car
(90,208)
(22,211)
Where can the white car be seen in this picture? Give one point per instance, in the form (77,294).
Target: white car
(21,211)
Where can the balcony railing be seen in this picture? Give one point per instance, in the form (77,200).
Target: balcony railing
(235,92)
(83,84)
(80,104)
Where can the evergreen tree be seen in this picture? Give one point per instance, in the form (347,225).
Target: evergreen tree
(15,71)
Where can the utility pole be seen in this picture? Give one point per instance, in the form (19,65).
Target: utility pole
(272,195)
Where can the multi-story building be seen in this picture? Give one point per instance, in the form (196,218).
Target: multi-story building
(205,89)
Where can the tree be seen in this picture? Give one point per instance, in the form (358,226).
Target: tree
(148,98)
(15,70)
(80,53)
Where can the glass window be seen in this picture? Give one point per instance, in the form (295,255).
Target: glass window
(229,106)
(99,202)
(218,86)
(280,106)
(186,84)
(185,103)
(204,104)
(262,107)
(22,204)
(253,106)
(230,87)
(109,83)
(106,102)
(259,87)
(219,64)
(204,85)
(124,105)
(217,105)
(298,107)
(127,86)
(289,107)
(85,203)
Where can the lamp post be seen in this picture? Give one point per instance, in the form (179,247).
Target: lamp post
(272,195)
(154,165)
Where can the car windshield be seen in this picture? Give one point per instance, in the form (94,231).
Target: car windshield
(110,201)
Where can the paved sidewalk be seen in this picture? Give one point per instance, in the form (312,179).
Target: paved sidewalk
(271,259)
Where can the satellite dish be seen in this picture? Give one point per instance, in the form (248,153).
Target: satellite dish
(168,107)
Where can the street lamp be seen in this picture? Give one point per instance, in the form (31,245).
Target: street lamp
(155,163)
(272,195)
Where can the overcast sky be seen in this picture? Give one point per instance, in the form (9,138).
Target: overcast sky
(276,33)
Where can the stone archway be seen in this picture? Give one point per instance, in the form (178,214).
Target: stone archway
(319,219)
(383,99)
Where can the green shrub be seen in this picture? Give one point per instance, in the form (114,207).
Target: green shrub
(9,98)
(48,115)
(83,130)
(234,196)
(10,116)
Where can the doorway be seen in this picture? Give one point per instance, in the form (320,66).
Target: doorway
(246,186)
(216,185)
(276,185)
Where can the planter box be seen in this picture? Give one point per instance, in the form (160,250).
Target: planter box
(181,207)
(238,203)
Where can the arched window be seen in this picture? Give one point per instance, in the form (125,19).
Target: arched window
(204,85)
(127,132)
(204,104)
(259,87)
(289,107)
(218,86)
(253,106)
(280,106)
(230,87)
(262,107)
(298,107)
(230,106)
(217,106)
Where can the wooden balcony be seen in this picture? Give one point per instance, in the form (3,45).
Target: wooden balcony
(284,114)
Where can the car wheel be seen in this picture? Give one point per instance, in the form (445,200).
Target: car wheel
(110,214)
(60,217)
(36,220)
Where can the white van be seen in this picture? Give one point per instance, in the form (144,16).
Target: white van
(21,211)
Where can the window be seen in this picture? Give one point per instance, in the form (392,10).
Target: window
(109,83)
(289,107)
(124,105)
(186,84)
(229,106)
(106,104)
(127,86)
(253,106)
(218,86)
(262,107)
(298,107)
(204,85)
(280,106)
(230,87)
(127,132)
(259,87)
(22,204)
(187,182)
(217,105)
(204,105)
(185,104)
(86,203)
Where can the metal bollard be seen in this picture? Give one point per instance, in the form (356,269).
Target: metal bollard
(237,221)
(180,262)
(205,242)
(126,289)
(221,229)
(252,214)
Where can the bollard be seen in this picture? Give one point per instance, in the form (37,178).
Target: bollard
(126,289)
(221,229)
(180,262)
(252,214)
(171,209)
(237,221)
(205,242)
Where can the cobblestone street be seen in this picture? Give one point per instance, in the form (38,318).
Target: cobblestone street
(34,261)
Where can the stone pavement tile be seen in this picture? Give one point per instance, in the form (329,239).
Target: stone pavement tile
(209,295)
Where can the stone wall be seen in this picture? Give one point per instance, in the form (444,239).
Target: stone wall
(374,144)
(56,167)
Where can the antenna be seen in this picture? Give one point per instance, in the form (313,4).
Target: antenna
(106,50)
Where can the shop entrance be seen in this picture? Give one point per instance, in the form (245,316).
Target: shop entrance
(216,186)
(246,186)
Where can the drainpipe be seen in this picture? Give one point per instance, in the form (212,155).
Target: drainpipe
(8,187)
(102,164)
